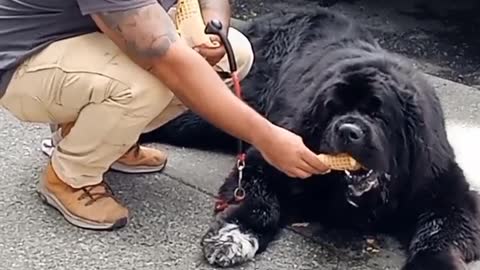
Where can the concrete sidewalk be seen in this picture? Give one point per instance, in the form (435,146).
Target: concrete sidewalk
(171,210)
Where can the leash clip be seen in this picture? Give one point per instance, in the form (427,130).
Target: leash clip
(239,192)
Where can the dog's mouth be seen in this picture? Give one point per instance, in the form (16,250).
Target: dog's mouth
(361,181)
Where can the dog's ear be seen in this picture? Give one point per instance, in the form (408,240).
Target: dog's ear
(425,130)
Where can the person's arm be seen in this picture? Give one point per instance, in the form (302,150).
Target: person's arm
(148,36)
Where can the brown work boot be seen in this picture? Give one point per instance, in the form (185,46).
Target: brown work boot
(91,207)
(138,159)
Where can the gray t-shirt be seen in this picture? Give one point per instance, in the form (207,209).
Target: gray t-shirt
(27,26)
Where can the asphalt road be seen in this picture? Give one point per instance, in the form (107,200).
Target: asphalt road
(171,210)
(442,37)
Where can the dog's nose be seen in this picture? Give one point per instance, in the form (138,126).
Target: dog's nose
(351,133)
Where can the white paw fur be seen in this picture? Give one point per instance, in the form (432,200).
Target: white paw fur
(229,246)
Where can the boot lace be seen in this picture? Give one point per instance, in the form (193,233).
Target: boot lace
(94,194)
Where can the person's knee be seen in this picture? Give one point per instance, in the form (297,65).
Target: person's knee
(149,102)
(146,98)
(242,48)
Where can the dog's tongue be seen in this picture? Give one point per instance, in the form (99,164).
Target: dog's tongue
(360,183)
(359,188)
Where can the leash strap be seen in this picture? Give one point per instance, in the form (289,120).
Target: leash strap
(238,93)
(215,27)
(239,192)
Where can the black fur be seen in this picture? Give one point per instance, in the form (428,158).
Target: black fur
(315,71)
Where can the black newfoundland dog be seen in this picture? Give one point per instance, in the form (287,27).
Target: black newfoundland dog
(324,77)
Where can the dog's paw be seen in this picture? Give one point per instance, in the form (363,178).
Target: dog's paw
(437,261)
(228,245)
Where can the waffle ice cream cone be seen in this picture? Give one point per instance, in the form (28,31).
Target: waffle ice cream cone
(190,25)
(340,162)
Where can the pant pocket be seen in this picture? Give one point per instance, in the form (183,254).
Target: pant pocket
(28,108)
(78,89)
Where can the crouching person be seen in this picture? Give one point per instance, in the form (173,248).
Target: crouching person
(106,71)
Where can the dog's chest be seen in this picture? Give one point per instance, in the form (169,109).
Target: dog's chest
(328,203)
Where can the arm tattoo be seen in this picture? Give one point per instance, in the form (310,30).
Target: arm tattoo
(146,32)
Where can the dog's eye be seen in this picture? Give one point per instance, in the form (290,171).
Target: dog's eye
(375,103)
(330,105)
(372,106)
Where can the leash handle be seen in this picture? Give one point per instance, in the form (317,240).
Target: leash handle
(214,27)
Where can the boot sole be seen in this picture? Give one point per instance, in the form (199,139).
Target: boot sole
(50,200)
(137,169)
(47,148)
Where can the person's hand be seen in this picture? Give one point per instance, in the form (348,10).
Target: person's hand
(286,151)
(212,54)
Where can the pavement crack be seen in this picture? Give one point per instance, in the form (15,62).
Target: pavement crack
(183,182)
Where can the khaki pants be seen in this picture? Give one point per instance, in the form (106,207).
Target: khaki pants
(87,79)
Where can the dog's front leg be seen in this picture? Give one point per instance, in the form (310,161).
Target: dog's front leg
(446,237)
(242,230)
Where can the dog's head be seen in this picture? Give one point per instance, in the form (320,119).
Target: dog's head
(370,109)
(360,115)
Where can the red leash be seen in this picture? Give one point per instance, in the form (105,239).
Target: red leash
(239,192)
(215,27)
